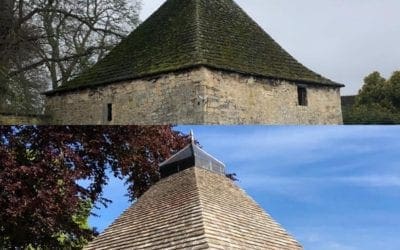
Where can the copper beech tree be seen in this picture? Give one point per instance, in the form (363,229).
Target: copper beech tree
(42,171)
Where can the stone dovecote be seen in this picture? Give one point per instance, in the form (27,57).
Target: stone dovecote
(195,208)
(197,61)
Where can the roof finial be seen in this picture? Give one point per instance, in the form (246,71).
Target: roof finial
(192,135)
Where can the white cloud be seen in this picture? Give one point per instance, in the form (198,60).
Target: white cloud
(310,189)
(334,237)
(317,241)
(260,181)
(336,246)
(371,181)
(258,149)
(290,140)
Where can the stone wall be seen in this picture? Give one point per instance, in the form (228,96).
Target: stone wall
(170,98)
(199,96)
(13,119)
(236,99)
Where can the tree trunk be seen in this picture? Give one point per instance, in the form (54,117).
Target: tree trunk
(6,20)
(6,25)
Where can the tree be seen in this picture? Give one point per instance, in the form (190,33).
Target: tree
(68,241)
(394,91)
(373,91)
(48,42)
(18,39)
(378,101)
(43,204)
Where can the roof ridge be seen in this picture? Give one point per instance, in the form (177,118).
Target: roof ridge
(274,40)
(195,208)
(198,42)
(197,188)
(275,229)
(184,34)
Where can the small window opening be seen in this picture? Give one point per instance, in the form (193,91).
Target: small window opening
(109,112)
(302,95)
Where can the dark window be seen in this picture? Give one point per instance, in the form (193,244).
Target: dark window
(302,95)
(109,112)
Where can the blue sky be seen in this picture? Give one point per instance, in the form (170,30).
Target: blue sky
(330,187)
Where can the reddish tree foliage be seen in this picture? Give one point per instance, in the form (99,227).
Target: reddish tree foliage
(40,170)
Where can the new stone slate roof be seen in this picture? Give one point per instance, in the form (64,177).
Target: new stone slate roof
(184,34)
(195,209)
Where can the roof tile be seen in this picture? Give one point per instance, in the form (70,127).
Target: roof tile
(188,33)
(195,209)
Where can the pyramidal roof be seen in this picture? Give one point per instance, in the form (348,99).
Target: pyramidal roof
(184,34)
(195,208)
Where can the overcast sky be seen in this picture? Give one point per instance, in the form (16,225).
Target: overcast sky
(343,40)
(333,188)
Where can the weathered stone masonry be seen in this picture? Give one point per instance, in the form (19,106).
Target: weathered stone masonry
(196,62)
(17,119)
(238,99)
(198,96)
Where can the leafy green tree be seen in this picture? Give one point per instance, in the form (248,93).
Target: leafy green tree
(394,91)
(81,219)
(378,101)
(374,91)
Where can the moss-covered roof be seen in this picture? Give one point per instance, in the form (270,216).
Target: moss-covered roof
(187,33)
